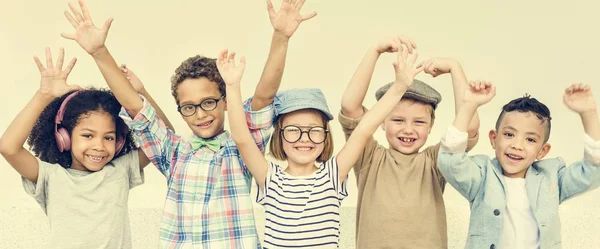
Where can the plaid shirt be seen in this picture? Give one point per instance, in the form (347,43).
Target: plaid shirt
(208,202)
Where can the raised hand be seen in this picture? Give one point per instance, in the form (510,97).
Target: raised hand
(87,35)
(133,78)
(479,92)
(405,67)
(54,79)
(230,72)
(438,66)
(393,43)
(288,18)
(579,98)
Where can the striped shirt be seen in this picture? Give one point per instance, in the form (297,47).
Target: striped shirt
(208,202)
(302,211)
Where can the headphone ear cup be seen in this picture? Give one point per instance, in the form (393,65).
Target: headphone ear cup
(63,140)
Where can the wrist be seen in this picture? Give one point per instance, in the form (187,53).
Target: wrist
(280,37)
(101,51)
(45,96)
(589,114)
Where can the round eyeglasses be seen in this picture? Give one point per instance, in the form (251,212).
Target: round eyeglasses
(292,133)
(206,105)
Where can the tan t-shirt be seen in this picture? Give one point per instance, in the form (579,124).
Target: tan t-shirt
(400,203)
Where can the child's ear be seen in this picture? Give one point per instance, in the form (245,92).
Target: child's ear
(544,151)
(383,126)
(224,105)
(492,134)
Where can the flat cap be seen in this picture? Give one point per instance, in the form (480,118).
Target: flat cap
(418,91)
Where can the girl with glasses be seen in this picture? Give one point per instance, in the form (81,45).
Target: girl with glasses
(302,201)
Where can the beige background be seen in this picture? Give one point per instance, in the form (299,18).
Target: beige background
(537,47)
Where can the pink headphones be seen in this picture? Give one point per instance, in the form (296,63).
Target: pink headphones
(63,140)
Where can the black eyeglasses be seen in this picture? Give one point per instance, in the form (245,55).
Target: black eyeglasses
(292,133)
(206,105)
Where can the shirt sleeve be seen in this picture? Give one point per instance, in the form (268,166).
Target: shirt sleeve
(334,175)
(463,172)
(131,166)
(583,175)
(38,190)
(156,140)
(260,123)
(262,193)
(365,160)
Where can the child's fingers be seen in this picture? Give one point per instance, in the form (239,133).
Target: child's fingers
(70,66)
(72,20)
(308,16)
(84,9)
(299,4)
(231,57)
(61,58)
(68,36)
(49,58)
(413,58)
(404,51)
(270,9)
(76,13)
(222,55)
(107,25)
(39,64)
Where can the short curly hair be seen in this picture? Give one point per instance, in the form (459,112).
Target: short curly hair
(194,68)
(42,140)
(528,104)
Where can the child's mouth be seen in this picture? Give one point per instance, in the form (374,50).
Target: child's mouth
(95,159)
(304,149)
(513,158)
(406,141)
(204,125)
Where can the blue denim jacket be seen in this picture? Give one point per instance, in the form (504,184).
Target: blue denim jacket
(549,182)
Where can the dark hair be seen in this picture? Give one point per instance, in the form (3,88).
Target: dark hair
(528,104)
(42,141)
(194,68)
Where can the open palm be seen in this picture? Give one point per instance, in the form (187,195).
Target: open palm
(579,98)
(288,18)
(87,35)
(54,79)
(405,67)
(479,92)
(230,72)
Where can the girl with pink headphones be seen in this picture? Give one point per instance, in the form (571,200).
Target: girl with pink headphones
(84,163)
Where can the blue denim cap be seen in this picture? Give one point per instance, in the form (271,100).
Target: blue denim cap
(417,91)
(301,98)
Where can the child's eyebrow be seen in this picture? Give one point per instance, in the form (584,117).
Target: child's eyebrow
(93,131)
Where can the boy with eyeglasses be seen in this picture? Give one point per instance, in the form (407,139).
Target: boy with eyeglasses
(208,202)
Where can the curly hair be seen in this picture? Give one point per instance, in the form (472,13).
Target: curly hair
(528,104)
(42,140)
(194,68)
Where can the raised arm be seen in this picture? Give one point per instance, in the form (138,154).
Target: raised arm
(285,22)
(232,75)
(463,172)
(52,85)
(92,40)
(139,88)
(439,66)
(405,74)
(356,90)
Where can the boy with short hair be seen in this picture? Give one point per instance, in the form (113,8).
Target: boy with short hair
(208,203)
(514,197)
(400,191)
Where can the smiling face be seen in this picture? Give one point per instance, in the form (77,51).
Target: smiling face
(303,152)
(519,141)
(408,126)
(93,142)
(205,124)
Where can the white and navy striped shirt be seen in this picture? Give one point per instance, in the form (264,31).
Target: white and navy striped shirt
(302,211)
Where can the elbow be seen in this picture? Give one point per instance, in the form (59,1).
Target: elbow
(6,149)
